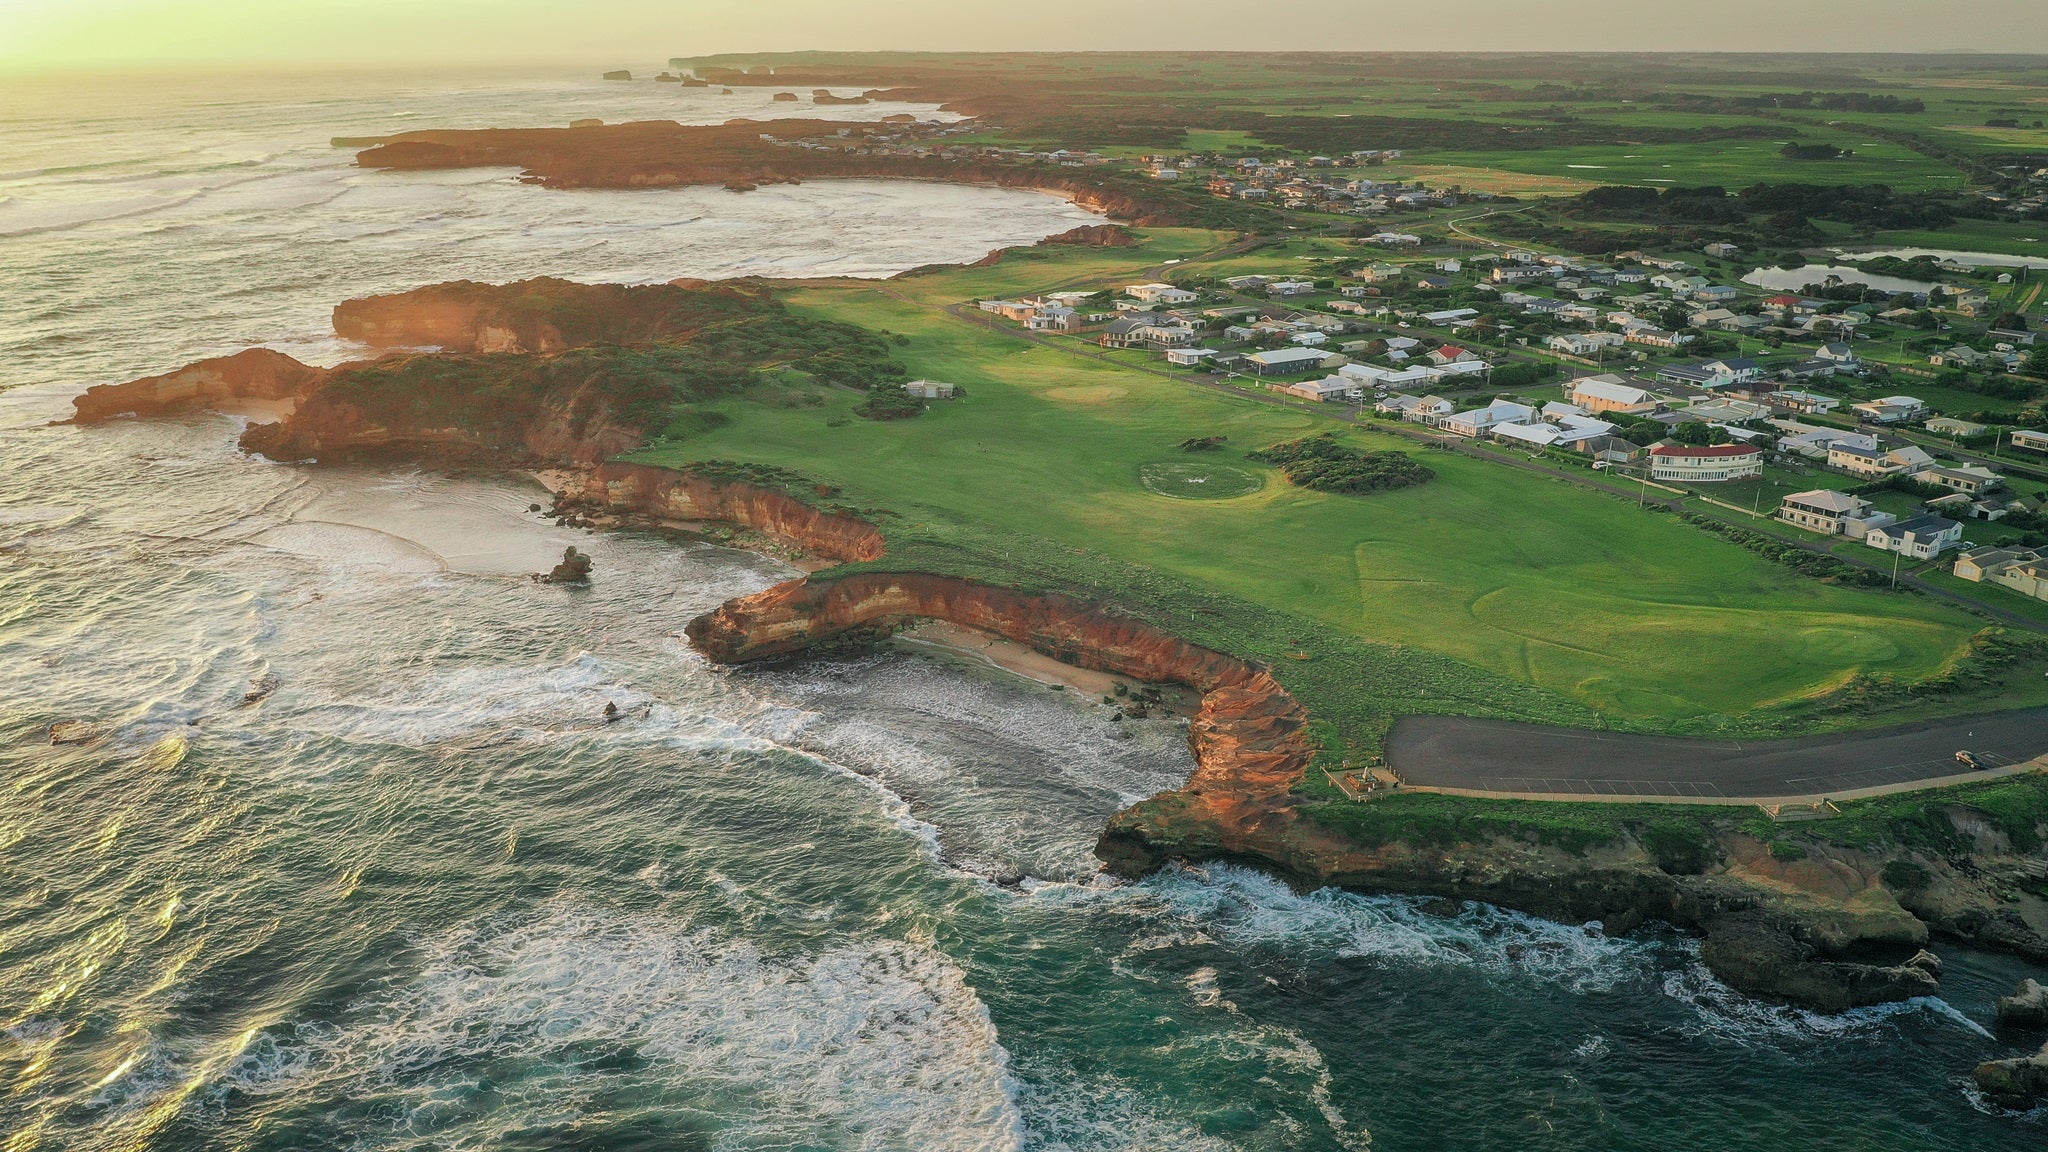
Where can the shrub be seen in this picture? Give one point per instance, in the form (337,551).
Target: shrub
(1787,851)
(1906,876)
(1678,846)
(1323,464)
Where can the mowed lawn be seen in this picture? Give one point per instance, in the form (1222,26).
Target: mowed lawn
(1631,613)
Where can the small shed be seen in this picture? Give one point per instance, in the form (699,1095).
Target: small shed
(931,390)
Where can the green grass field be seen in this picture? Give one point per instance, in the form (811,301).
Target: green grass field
(1478,587)
(1730,163)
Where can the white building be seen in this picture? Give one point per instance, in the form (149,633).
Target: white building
(1921,538)
(1161,294)
(1706,463)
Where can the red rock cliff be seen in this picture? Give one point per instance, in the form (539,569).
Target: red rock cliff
(257,374)
(666,494)
(1250,737)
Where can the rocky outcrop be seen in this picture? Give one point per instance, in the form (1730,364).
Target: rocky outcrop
(1094,236)
(257,374)
(574,568)
(1756,957)
(665,496)
(542,315)
(2020,1082)
(2027,1007)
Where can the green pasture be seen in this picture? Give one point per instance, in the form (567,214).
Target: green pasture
(1729,163)
(1488,582)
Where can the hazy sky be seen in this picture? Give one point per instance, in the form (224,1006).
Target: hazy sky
(170,33)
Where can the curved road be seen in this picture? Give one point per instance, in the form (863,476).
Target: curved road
(1505,756)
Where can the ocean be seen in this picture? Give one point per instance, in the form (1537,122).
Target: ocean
(352,860)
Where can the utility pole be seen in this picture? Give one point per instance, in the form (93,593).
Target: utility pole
(1897,555)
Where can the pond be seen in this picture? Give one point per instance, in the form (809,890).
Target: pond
(1794,279)
(1990,259)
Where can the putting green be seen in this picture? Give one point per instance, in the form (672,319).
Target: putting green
(1198,480)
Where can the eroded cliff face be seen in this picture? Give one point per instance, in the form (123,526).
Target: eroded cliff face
(1250,736)
(667,496)
(256,374)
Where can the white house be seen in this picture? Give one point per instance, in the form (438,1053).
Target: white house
(1921,538)
(1290,288)
(1706,463)
(1831,513)
(1161,294)
(1890,410)
(1479,421)
(1188,357)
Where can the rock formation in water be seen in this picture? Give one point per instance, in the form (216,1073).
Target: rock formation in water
(2027,1007)
(257,374)
(2018,1083)
(574,569)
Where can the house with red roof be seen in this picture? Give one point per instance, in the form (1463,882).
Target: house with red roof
(1450,354)
(1706,463)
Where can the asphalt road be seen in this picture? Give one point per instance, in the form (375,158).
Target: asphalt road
(1502,756)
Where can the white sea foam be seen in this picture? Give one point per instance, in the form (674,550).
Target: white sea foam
(872,1046)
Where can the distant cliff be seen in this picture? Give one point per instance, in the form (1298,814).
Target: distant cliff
(662,154)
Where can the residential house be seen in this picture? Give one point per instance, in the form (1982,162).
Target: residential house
(1609,393)
(1740,370)
(1166,294)
(1450,354)
(1583,343)
(1714,294)
(1798,401)
(1309,339)
(1970,479)
(1428,410)
(1832,513)
(1283,361)
(1017,310)
(1327,389)
(1920,538)
(1721,250)
(1053,318)
(1479,421)
(1448,317)
(1838,354)
(1188,357)
(1658,338)
(931,389)
(1287,288)
(1857,459)
(2031,441)
(1890,410)
(2024,570)
(1706,463)
(1528,435)
(1960,429)
(1518,273)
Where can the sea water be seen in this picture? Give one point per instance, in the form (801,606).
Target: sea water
(352,859)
